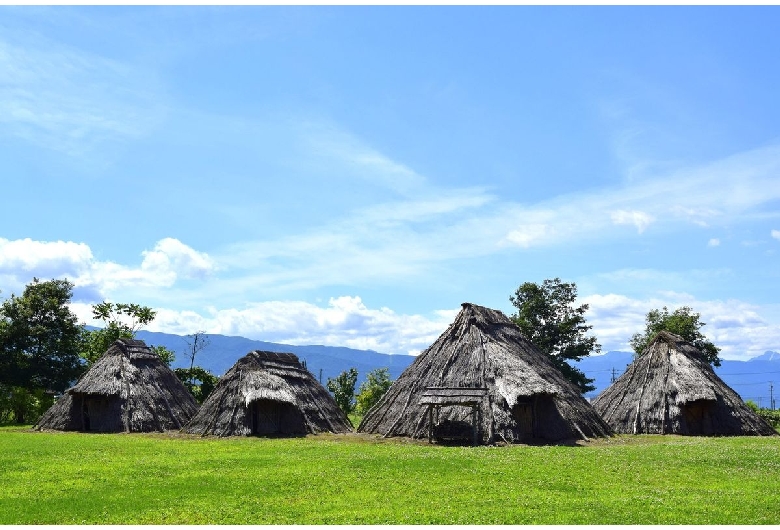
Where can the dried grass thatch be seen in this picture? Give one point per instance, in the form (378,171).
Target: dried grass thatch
(267,393)
(671,389)
(129,389)
(483,363)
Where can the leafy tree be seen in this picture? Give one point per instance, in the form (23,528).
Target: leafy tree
(372,389)
(40,339)
(547,316)
(343,389)
(122,321)
(683,322)
(167,356)
(199,381)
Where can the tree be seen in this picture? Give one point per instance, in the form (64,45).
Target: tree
(683,322)
(343,389)
(122,321)
(547,316)
(40,339)
(195,343)
(372,389)
(167,356)
(199,381)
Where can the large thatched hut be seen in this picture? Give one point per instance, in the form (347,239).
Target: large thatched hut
(268,393)
(482,381)
(671,389)
(128,389)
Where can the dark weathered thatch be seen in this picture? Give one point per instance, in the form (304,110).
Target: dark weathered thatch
(671,389)
(267,393)
(129,389)
(483,364)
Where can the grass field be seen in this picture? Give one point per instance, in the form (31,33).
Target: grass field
(74,478)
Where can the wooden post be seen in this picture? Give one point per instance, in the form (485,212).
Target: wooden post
(430,424)
(474,423)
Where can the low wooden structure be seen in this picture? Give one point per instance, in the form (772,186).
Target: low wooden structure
(437,397)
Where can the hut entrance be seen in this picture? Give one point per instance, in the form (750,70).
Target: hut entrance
(698,416)
(101,414)
(523,414)
(267,416)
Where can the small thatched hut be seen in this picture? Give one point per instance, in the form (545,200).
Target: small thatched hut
(128,389)
(482,381)
(671,389)
(268,393)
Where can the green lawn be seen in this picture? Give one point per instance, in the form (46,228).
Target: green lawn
(73,478)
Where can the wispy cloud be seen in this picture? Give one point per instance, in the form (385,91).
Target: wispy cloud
(776,234)
(68,100)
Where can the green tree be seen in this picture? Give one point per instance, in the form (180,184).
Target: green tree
(121,321)
(372,389)
(199,381)
(546,314)
(343,389)
(40,340)
(683,322)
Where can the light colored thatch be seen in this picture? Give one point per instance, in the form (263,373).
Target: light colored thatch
(268,393)
(671,389)
(483,362)
(128,389)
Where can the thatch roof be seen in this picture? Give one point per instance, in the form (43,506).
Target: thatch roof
(484,361)
(127,389)
(671,389)
(269,394)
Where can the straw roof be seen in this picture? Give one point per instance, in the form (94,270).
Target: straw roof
(127,389)
(483,362)
(268,393)
(671,389)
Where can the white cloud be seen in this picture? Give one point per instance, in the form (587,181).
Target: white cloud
(525,236)
(737,327)
(776,234)
(714,242)
(44,257)
(345,321)
(168,262)
(640,220)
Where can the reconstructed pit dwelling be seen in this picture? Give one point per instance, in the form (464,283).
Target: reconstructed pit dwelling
(671,389)
(270,394)
(128,389)
(483,382)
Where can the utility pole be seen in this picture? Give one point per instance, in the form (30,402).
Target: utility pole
(613,375)
(771,397)
(320,375)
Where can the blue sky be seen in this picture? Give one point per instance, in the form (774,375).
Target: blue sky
(349,175)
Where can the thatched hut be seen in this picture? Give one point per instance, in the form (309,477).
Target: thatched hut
(482,381)
(128,389)
(268,393)
(671,389)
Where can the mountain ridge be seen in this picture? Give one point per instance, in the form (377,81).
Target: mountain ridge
(751,379)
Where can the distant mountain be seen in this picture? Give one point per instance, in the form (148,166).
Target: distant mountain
(750,379)
(322,361)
